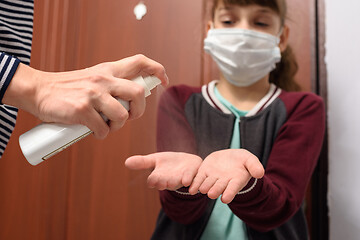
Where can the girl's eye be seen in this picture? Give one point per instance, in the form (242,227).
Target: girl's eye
(228,22)
(261,24)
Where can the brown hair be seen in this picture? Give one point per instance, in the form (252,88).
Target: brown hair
(284,74)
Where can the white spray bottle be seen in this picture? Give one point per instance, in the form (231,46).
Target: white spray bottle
(48,139)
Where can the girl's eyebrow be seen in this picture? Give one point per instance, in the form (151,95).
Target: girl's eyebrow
(225,8)
(265,10)
(262,10)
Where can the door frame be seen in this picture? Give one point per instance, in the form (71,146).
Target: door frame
(319,186)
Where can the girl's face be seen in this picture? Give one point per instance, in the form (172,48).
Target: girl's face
(251,17)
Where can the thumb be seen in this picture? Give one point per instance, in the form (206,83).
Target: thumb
(254,167)
(140,162)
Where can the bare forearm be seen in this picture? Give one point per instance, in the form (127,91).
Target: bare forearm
(21,90)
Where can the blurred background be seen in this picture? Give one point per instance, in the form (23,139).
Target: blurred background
(85,192)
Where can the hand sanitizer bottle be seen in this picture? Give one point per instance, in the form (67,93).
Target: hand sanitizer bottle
(48,139)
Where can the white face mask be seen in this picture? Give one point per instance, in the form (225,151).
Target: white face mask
(243,56)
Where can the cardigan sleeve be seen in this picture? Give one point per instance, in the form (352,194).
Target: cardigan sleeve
(175,134)
(280,193)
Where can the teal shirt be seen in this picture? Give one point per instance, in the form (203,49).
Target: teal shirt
(223,223)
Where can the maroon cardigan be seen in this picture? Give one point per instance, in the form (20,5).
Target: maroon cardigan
(286,136)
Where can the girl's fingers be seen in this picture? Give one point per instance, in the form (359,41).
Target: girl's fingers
(233,187)
(217,189)
(188,177)
(173,183)
(195,185)
(207,184)
(152,180)
(157,181)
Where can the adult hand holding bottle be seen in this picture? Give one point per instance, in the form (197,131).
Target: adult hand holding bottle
(78,97)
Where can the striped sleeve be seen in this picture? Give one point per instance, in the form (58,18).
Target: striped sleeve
(16,29)
(8,66)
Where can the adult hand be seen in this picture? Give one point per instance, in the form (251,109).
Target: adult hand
(78,97)
(172,170)
(226,172)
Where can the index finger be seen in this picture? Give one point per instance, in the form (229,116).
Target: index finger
(141,65)
(232,188)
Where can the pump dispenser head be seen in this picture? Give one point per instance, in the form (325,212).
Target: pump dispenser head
(149,83)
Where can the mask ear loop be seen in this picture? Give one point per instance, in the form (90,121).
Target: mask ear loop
(279,34)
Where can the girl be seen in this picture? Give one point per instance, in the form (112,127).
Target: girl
(220,138)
